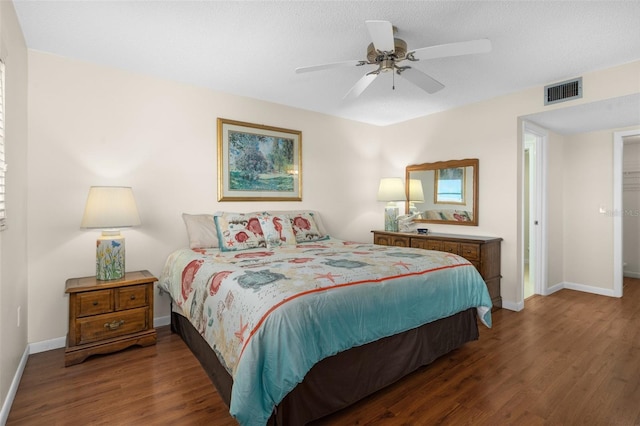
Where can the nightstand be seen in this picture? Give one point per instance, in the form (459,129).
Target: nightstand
(108,316)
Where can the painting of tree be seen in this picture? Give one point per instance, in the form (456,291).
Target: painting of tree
(260,162)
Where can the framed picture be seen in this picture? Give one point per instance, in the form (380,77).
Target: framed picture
(258,163)
(449,186)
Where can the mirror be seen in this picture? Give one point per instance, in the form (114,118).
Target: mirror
(444,192)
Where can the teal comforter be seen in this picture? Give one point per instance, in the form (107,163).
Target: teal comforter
(271,314)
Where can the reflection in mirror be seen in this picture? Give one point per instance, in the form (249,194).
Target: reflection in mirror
(444,192)
(416,194)
(449,186)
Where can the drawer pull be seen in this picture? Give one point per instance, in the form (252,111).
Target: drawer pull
(132,297)
(113,325)
(95,303)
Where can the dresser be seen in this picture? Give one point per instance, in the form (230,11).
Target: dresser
(107,316)
(482,252)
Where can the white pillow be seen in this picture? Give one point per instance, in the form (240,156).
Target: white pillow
(201,230)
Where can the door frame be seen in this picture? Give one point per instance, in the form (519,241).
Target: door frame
(539,195)
(617,211)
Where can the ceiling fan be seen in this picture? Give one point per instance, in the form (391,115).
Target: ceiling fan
(388,52)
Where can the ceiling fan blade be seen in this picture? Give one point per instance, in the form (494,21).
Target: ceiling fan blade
(360,86)
(422,80)
(381,33)
(328,66)
(453,49)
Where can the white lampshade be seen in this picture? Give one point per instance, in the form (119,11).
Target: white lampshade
(391,189)
(416,193)
(110,207)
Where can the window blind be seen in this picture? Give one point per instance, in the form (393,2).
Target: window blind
(3,165)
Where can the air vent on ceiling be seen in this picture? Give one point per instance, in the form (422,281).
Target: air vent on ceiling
(564,91)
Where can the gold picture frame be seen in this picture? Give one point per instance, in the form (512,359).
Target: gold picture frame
(258,162)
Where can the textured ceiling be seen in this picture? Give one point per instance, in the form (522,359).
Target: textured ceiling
(251,48)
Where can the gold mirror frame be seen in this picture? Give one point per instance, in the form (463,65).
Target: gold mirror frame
(461,211)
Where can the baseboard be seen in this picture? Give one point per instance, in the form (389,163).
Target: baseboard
(160,321)
(553,289)
(589,289)
(579,287)
(517,307)
(47,345)
(557,287)
(11,394)
(631,274)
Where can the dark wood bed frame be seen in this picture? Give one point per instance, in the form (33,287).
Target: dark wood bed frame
(333,383)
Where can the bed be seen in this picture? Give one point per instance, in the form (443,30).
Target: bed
(291,324)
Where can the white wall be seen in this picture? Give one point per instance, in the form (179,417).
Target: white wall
(92,125)
(588,233)
(555,210)
(13,241)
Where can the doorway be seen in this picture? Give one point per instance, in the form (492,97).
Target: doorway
(631,206)
(534,139)
(620,139)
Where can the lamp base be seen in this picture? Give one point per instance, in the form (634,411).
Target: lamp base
(391,218)
(110,256)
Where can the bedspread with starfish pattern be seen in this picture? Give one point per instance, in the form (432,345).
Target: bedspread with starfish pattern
(271,314)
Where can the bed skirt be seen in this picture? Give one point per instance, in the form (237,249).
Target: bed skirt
(345,378)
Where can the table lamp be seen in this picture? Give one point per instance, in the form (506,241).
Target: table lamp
(110,208)
(391,190)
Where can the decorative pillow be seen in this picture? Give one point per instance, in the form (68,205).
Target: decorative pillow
(201,229)
(277,230)
(237,231)
(305,228)
(461,216)
(316,217)
(456,215)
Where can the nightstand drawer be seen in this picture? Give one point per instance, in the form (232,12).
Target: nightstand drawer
(131,297)
(94,302)
(107,326)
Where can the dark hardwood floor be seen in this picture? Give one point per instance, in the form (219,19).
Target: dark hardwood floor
(568,359)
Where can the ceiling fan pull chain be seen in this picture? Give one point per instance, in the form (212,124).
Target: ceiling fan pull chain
(393,82)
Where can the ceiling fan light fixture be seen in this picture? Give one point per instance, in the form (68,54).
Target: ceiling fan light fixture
(399,52)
